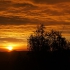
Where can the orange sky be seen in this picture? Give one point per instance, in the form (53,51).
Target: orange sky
(18,18)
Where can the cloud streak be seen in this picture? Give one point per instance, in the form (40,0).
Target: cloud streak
(29,12)
(50,1)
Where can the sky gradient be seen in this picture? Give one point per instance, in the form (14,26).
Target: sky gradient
(19,18)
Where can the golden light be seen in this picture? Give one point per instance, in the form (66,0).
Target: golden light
(10,47)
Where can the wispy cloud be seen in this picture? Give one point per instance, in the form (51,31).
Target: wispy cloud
(26,12)
(50,1)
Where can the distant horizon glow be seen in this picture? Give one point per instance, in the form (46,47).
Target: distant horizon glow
(10,47)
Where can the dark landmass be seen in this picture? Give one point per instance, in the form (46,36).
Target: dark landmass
(34,60)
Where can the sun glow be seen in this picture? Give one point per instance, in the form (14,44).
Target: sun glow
(10,47)
(14,47)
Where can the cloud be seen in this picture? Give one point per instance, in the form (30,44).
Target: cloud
(50,1)
(3,2)
(26,5)
(14,20)
(14,40)
(4,5)
(25,12)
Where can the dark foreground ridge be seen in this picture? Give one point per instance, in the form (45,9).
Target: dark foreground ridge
(34,60)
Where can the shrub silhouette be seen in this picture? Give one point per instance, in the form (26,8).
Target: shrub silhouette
(46,41)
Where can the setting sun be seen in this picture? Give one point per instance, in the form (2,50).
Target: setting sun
(10,47)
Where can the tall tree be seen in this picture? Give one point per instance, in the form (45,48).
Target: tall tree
(46,41)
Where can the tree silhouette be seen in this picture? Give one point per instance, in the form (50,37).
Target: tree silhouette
(46,41)
(56,41)
(68,45)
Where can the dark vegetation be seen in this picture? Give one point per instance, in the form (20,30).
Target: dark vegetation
(47,41)
(47,50)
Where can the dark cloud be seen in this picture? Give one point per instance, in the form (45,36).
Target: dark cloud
(17,20)
(50,1)
(28,5)
(13,20)
(5,4)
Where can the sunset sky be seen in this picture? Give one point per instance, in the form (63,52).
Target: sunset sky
(19,18)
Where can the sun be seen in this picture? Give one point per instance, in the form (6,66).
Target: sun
(10,47)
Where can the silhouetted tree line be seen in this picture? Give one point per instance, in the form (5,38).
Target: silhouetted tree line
(47,41)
